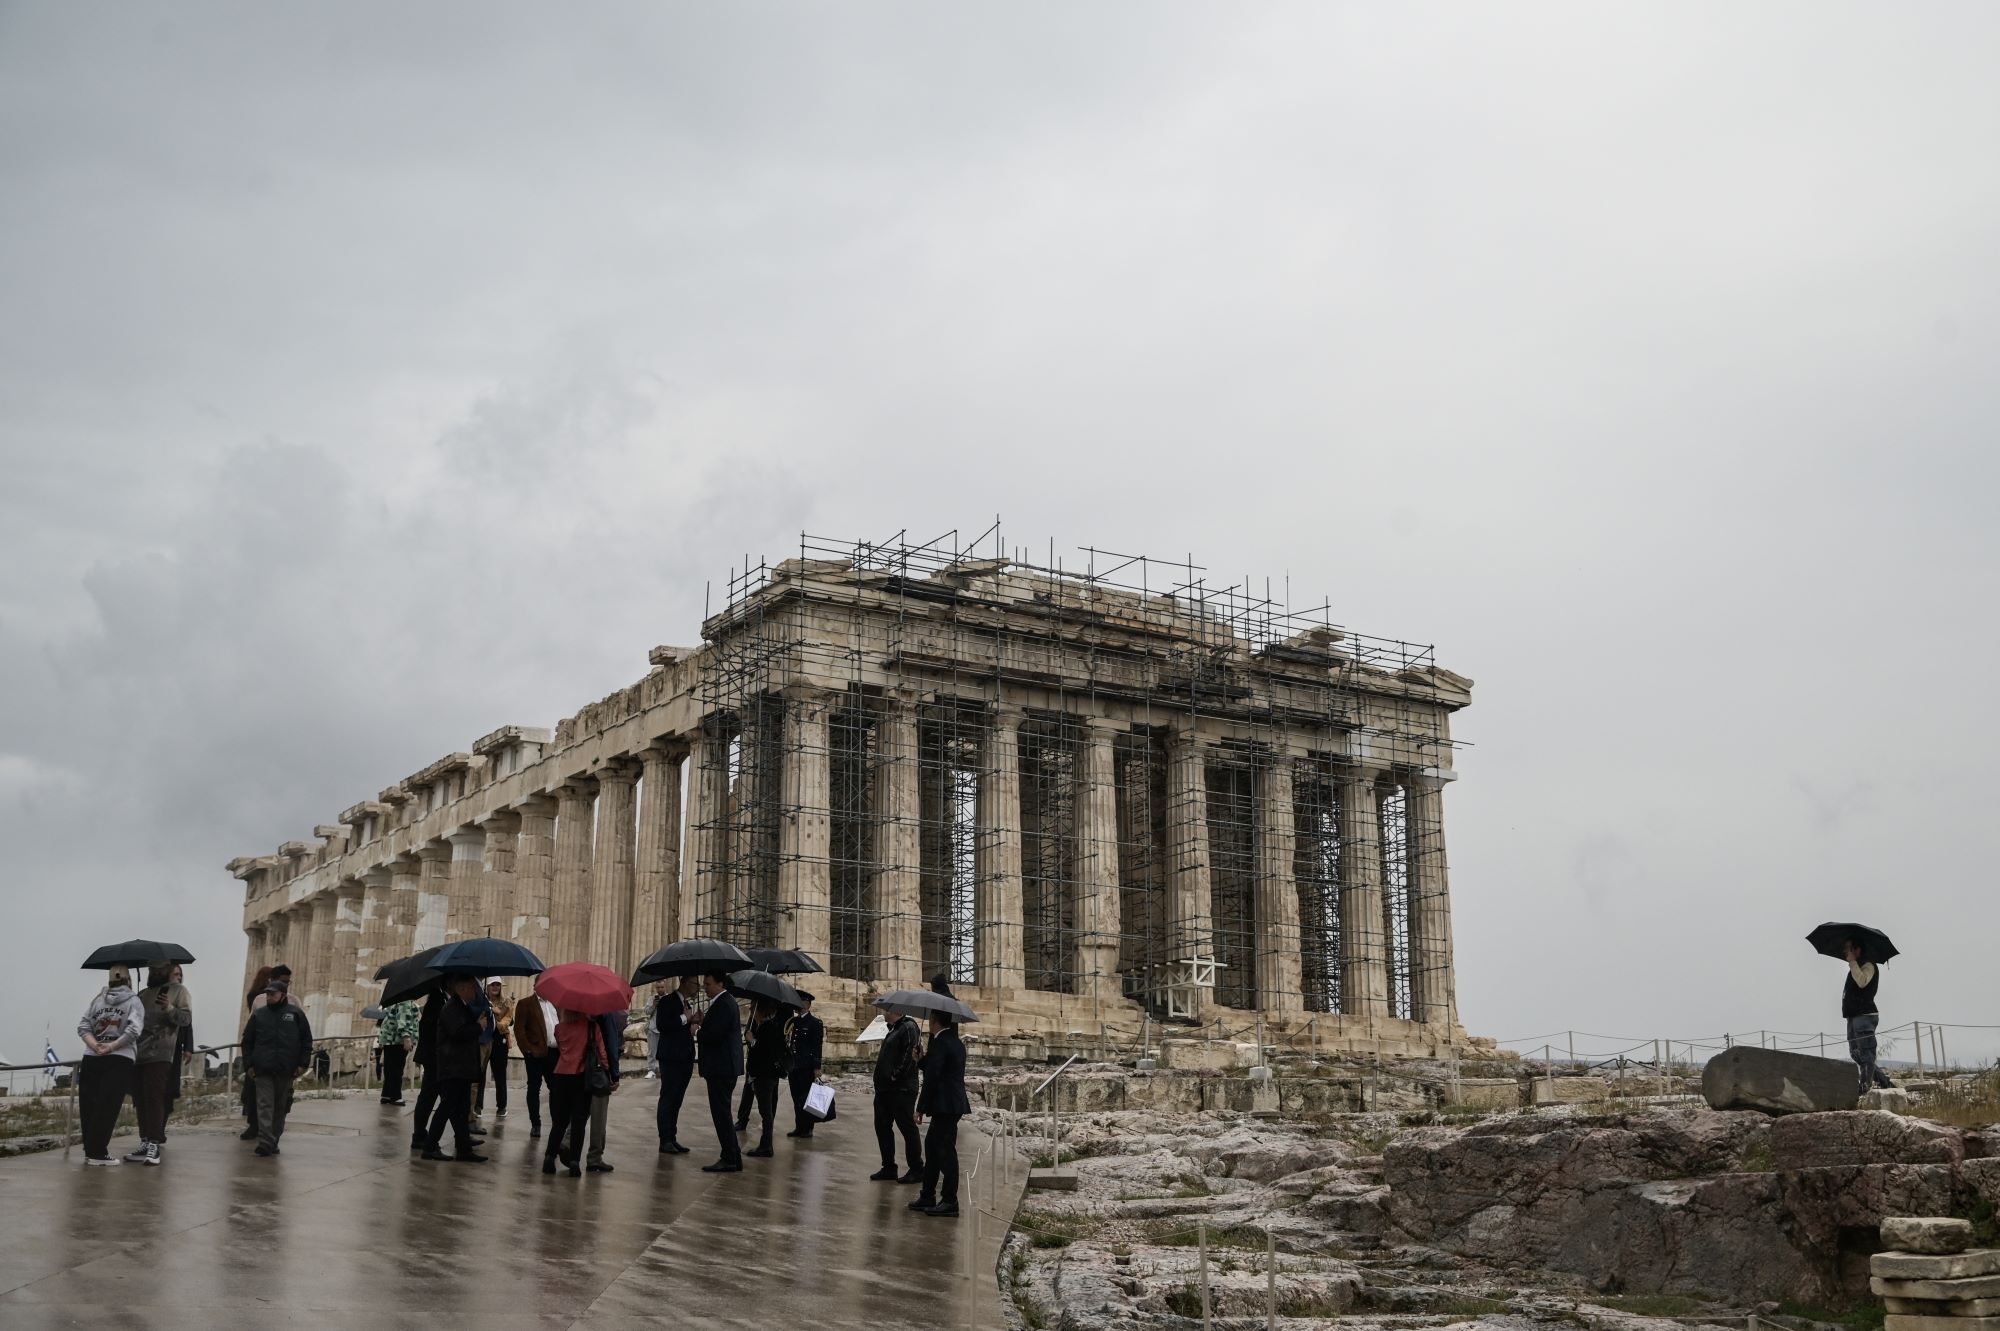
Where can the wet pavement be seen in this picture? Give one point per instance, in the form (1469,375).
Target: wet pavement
(343,1231)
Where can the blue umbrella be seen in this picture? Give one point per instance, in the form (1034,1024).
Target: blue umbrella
(486,956)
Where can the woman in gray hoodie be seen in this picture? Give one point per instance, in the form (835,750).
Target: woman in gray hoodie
(110,1032)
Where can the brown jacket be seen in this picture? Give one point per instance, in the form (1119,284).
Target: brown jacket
(531,1034)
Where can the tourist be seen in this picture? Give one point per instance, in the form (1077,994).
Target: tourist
(426,1059)
(534,1029)
(662,990)
(1857,1005)
(496,1058)
(456,1066)
(943,1102)
(897,1064)
(167,1012)
(184,1043)
(719,1044)
(674,1017)
(611,1037)
(749,1097)
(395,1037)
(249,1096)
(277,1047)
(580,1052)
(769,1061)
(806,1035)
(110,1030)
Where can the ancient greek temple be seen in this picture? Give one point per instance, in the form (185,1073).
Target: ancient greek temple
(1097,797)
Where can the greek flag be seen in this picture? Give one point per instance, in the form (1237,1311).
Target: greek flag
(49,1059)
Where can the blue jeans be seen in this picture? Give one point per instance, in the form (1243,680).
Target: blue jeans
(1861,1048)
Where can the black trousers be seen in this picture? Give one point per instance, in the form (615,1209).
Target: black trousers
(153,1093)
(249,1100)
(802,1081)
(427,1098)
(496,1070)
(674,1078)
(941,1160)
(719,1089)
(896,1111)
(743,1105)
(102,1083)
(569,1115)
(767,1106)
(393,1058)
(454,1107)
(539,1071)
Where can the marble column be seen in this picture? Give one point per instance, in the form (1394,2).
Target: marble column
(344,947)
(1280,986)
(656,881)
(897,942)
(1096,962)
(534,872)
(319,988)
(569,897)
(373,952)
(1190,906)
(611,866)
(496,879)
(466,890)
(399,931)
(998,957)
(805,828)
(255,940)
(705,872)
(299,950)
(1433,983)
(277,940)
(1364,959)
(433,895)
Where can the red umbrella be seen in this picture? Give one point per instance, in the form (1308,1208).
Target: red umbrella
(586,987)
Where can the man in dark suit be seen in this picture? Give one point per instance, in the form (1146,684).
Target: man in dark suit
(943,1102)
(719,1055)
(673,1019)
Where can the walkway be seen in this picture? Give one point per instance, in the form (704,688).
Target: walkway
(343,1233)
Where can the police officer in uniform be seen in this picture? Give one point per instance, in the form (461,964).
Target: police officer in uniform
(807,1036)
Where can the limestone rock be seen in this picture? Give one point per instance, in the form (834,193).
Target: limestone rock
(1926,1234)
(1893,1322)
(1864,1137)
(1777,1082)
(1914,1266)
(1944,1307)
(1895,1099)
(1970,1287)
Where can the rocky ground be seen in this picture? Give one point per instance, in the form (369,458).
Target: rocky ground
(1623,1218)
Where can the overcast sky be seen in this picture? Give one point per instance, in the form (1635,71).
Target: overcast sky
(372,376)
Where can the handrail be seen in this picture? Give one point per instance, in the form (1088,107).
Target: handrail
(1053,1075)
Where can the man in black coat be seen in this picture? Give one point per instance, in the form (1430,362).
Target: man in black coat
(456,1066)
(277,1047)
(425,1057)
(719,1055)
(896,1067)
(673,1021)
(943,1102)
(808,1041)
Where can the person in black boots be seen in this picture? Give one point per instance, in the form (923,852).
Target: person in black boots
(456,1066)
(807,1036)
(719,1056)
(673,1020)
(896,1067)
(769,1062)
(943,1102)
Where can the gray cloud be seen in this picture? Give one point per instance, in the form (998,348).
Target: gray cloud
(374,377)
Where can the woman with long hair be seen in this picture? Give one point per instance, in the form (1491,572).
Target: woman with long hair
(579,1049)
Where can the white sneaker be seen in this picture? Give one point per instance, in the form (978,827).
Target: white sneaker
(152,1153)
(137,1156)
(99,1160)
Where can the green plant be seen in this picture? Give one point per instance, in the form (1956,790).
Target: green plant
(1652,1305)
(1468,1305)
(1864,1316)
(1758,1158)
(1181,1234)
(1030,1309)
(1185,1301)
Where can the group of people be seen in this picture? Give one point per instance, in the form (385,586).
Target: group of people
(462,1035)
(135,1044)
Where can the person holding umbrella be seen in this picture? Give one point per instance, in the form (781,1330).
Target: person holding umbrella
(769,1062)
(943,1101)
(674,1018)
(897,1065)
(719,1055)
(585,994)
(110,1030)
(457,1067)
(168,1011)
(1864,950)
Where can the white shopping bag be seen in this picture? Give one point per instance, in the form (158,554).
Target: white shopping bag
(819,1100)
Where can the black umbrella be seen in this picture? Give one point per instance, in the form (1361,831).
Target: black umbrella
(692,956)
(1830,940)
(487,956)
(783,961)
(412,977)
(922,1002)
(763,984)
(137,952)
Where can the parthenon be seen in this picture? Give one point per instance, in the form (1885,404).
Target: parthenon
(1093,797)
